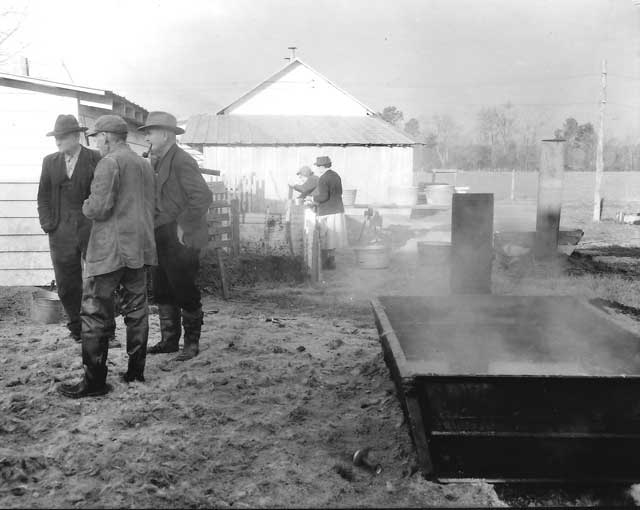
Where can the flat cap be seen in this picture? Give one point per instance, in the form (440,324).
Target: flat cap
(109,124)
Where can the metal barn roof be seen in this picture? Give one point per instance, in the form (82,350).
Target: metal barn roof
(292,130)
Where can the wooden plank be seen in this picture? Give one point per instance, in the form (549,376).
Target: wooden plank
(24,243)
(215,230)
(218,217)
(18,191)
(20,226)
(217,204)
(25,260)
(26,277)
(218,187)
(18,209)
(223,274)
(235,228)
(220,244)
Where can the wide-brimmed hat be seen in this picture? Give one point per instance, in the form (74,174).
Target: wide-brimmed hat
(109,124)
(66,124)
(162,120)
(323,161)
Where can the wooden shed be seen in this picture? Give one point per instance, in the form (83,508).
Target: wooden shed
(29,107)
(291,118)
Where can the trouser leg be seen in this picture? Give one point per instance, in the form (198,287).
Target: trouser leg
(135,309)
(66,259)
(97,317)
(168,313)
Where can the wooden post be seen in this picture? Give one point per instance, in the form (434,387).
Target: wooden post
(471,243)
(513,184)
(597,205)
(235,228)
(223,273)
(549,198)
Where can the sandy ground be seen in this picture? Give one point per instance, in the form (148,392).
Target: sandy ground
(289,383)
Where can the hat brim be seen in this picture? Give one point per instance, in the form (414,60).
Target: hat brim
(67,131)
(177,130)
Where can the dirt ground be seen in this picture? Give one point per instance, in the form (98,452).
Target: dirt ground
(289,383)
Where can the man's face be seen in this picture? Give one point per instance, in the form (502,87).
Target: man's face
(157,138)
(68,143)
(102,143)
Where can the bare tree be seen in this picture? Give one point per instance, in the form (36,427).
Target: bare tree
(11,19)
(445,131)
(496,126)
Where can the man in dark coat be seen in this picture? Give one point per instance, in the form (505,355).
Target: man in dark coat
(121,206)
(330,211)
(182,201)
(65,183)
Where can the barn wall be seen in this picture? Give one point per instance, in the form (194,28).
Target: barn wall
(26,119)
(370,170)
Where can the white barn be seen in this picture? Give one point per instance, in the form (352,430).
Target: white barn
(29,107)
(291,118)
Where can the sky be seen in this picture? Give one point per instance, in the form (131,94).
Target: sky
(426,57)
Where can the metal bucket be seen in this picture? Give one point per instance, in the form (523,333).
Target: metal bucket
(403,196)
(349,197)
(375,256)
(439,194)
(46,309)
(434,252)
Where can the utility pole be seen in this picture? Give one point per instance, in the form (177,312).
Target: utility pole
(597,199)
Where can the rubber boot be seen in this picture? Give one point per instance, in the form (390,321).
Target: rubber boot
(192,322)
(170,330)
(137,323)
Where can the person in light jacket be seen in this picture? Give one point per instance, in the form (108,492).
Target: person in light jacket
(121,206)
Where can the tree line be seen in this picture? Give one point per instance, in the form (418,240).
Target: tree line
(505,138)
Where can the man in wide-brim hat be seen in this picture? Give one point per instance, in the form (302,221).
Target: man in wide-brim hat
(181,231)
(65,183)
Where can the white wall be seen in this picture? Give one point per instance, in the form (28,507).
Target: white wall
(26,119)
(300,91)
(370,170)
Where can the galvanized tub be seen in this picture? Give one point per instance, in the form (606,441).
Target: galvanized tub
(439,194)
(46,308)
(406,196)
(517,388)
(349,197)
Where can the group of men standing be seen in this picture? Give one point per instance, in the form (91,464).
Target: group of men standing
(117,214)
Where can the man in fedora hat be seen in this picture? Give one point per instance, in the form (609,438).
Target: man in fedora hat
(121,206)
(330,211)
(181,231)
(64,185)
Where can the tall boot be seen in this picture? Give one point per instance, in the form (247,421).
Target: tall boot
(137,335)
(170,330)
(192,322)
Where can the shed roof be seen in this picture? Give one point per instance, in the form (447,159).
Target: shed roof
(292,130)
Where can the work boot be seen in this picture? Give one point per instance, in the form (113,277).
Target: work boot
(170,330)
(128,377)
(88,386)
(192,322)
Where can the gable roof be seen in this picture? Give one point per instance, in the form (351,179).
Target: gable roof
(279,74)
(292,130)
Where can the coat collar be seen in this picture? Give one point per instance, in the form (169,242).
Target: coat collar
(164,165)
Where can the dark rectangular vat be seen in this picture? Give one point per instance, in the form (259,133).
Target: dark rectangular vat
(515,388)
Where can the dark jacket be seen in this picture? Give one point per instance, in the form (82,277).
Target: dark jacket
(182,195)
(307,187)
(54,173)
(121,205)
(328,194)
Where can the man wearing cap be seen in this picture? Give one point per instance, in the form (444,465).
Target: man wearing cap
(330,210)
(121,206)
(65,183)
(309,185)
(181,231)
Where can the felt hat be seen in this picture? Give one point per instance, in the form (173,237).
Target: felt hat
(109,124)
(323,161)
(162,120)
(66,124)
